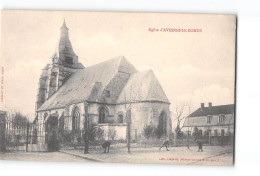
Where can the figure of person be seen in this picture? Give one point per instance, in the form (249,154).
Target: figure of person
(86,141)
(165,144)
(200,146)
(106,146)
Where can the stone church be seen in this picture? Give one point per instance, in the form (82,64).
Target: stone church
(104,95)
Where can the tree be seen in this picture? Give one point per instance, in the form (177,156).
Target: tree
(19,121)
(178,132)
(195,133)
(180,112)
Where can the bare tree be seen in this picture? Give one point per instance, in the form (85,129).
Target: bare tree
(180,112)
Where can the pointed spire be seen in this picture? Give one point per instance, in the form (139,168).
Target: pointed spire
(64,26)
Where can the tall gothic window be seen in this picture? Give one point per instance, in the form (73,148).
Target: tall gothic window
(102,115)
(163,123)
(120,118)
(75,119)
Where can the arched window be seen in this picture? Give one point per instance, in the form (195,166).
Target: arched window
(102,115)
(120,117)
(75,119)
(163,123)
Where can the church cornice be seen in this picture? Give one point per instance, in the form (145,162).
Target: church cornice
(102,103)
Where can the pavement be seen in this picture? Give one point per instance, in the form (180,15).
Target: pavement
(211,155)
(41,156)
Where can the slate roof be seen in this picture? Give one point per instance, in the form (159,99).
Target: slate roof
(199,117)
(214,110)
(116,75)
(142,86)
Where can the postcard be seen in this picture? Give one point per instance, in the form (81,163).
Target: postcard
(118,87)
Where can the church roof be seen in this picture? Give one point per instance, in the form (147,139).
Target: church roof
(117,77)
(142,86)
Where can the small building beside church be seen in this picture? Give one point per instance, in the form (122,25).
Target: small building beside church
(211,122)
(104,95)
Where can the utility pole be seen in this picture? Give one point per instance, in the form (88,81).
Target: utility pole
(209,137)
(189,130)
(27,137)
(86,135)
(128,130)
(129,120)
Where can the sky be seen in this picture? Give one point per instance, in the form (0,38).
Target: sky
(191,66)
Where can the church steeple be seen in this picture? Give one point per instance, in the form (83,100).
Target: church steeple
(64,26)
(64,29)
(64,62)
(65,53)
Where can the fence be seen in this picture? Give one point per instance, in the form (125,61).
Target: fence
(22,136)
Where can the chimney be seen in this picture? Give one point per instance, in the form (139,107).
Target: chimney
(210,104)
(202,105)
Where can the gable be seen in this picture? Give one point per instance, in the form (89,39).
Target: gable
(142,86)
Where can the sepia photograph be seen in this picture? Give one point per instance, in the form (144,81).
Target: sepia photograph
(118,87)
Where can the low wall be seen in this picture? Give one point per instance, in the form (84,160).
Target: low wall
(113,131)
(37,147)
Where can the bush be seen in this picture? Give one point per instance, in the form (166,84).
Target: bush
(195,133)
(151,131)
(99,134)
(158,132)
(178,132)
(148,131)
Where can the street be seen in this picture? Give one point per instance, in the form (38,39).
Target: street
(211,155)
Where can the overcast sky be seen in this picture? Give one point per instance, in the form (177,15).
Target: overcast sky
(196,67)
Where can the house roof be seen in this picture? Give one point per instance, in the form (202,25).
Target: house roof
(199,117)
(214,110)
(117,76)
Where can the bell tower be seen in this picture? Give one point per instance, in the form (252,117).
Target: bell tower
(64,62)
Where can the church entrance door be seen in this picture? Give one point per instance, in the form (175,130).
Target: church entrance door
(52,133)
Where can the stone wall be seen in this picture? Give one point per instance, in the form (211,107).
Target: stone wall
(142,114)
(145,113)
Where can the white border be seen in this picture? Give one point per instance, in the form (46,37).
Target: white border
(247,151)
